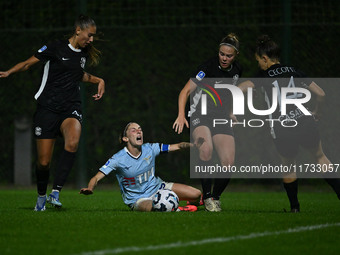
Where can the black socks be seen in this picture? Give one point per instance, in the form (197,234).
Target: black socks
(292,191)
(64,167)
(335,184)
(219,187)
(42,175)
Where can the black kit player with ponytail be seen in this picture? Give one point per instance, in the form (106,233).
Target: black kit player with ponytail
(59,110)
(207,139)
(305,134)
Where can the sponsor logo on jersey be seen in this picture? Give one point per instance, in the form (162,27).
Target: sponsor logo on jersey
(281,70)
(38,131)
(129,181)
(200,75)
(65,59)
(195,122)
(42,48)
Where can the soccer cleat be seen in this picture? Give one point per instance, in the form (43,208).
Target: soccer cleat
(217,205)
(53,199)
(40,206)
(196,203)
(187,208)
(209,204)
(295,210)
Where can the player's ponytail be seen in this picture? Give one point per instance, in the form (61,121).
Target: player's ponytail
(85,22)
(266,46)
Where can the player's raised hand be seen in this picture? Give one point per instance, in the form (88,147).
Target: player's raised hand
(179,124)
(101,90)
(86,191)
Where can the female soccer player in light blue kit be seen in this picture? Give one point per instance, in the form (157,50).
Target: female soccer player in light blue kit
(134,167)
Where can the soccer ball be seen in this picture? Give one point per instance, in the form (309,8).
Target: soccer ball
(165,201)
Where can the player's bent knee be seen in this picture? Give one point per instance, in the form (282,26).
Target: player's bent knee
(143,205)
(197,193)
(71,147)
(205,155)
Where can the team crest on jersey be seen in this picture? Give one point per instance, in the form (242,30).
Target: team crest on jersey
(38,131)
(235,79)
(147,159)
(82,62)
(42,48)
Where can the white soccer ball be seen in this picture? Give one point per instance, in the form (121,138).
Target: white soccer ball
(165,201)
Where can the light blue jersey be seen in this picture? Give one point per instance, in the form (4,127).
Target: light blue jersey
(136,175)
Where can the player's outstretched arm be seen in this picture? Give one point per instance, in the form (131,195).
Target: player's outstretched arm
(92,184)
(95,80)
(245,85)
(182,100)
(20,67)
(179,146)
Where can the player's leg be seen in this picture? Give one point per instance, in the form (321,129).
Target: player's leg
(320,158)
(287,146)
(312,143)
(286,141)
(290,183)
(44,157)
(143,205)
(186,192)
(203,141)
(225,149)
(71,130)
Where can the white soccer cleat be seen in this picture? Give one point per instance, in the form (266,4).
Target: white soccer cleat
(209,204)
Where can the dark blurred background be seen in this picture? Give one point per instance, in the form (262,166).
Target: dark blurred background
(150,48)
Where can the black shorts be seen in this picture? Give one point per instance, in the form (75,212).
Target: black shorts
(197,120)
(305,134)
(46,123)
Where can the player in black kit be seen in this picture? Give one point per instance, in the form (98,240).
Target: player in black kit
(305,132)
(221,139)
(59,102)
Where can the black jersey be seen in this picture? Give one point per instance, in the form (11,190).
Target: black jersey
(212,69)
(283,76)
(63,71)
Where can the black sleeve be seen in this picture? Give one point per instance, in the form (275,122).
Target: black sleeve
(200,73)
(46,52)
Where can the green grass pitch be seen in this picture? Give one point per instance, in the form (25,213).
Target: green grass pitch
(250,223)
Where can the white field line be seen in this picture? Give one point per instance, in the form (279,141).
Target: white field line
(210,240)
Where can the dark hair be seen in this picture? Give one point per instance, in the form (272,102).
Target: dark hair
(232,40)
(123,134)
(266,46)
(85,22)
